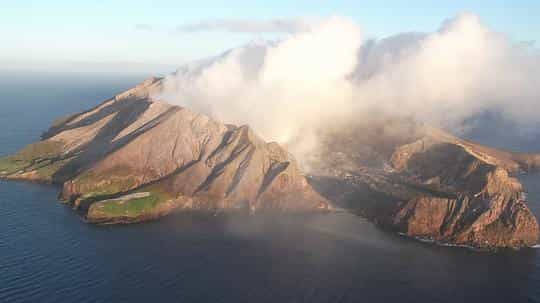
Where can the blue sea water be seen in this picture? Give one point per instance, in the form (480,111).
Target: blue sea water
(47,254)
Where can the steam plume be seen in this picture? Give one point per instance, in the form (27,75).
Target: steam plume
(289,90)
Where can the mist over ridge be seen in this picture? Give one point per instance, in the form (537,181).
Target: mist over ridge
(329,76)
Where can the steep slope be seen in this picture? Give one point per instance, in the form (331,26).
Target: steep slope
(436,187)
(132,158)
(486,207)
(512,162)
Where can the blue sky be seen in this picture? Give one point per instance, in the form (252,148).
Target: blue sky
(57,31)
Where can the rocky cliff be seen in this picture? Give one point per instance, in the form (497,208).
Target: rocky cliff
(472,202)
(132,158)
(436,187)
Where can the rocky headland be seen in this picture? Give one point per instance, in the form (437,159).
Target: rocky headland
(133,158)
(431,185)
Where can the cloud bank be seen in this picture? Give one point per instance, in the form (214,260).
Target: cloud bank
(283,25)
(143,27)
(328,75)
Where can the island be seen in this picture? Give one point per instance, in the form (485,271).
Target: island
(134,158)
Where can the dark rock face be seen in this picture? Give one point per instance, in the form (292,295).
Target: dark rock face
(161,157)
(488,209)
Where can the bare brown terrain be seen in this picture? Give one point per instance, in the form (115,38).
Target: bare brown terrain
(431,185)
(174,157)
(133,158)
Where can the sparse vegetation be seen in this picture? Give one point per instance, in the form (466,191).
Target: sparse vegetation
(110,187)
(62,120)
(33,156)
(47,171)
(127,208)
(114,181)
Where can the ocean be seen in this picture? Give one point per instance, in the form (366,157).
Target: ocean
(48,254)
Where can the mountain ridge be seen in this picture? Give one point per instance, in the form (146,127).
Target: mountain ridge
(434,186)
(131,143)
(134,158)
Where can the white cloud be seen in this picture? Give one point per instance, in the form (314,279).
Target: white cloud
(144,27)
(290,90)
(283,25)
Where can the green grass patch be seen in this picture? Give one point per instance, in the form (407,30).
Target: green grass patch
(117,180)
(31,157)
(8,165)
(129,208)
(39,150)
(116,185)
(47,171)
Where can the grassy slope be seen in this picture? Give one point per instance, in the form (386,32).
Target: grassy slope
(131,208)
(92,185)
(41,156)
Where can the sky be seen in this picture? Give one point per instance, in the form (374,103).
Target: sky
(160,35)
